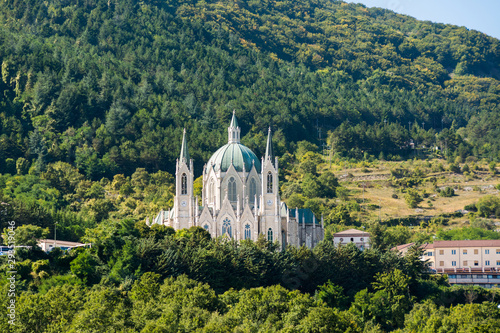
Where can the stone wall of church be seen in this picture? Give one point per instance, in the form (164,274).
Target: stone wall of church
(310,235)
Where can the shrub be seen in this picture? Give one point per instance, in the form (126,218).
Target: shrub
(493,167)
(454,168)
(488,205)
(447,192)
(413,198)
(471,208)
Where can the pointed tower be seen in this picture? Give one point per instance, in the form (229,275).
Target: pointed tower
(184,200)
(184,149)
(233,131)
(269,147)
(270,212)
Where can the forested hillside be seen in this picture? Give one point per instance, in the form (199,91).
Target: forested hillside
(94,95)
(107,86)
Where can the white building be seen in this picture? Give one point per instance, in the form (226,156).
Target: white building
(360,238)
(49,244)
(240,197)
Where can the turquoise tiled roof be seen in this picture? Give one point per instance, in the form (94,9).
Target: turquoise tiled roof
(234,153)
(307,213)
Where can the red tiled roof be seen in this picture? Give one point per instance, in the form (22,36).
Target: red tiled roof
(453,243)
(467,243)
(352,233)
(402,247)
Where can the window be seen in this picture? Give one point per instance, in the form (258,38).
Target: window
(441,263)
(248,234)
(465,263)
(341,239)
(184,182)
(226,227)
(253,189)
(453,263)
(464,252)
(211,196)
(270,235)
(498,251)
(352,239)
(498,262)
(487,263)
(429,254)
(206,227)
(453,251)
(441,252)
(362,239)
(486,251)
(476,263)
(476,251)
(453,276)
(269,183)
(231,189)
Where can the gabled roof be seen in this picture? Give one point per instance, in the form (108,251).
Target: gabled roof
(352,233)
(60,242)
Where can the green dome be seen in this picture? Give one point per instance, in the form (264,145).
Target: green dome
(234,153)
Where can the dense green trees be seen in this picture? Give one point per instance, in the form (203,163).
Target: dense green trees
(93,99)
(110,95)
(187,282)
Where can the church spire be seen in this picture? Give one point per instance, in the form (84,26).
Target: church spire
(233,131)
(184,149)
(234,121)
(269,147)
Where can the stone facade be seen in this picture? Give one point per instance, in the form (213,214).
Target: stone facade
(240,197)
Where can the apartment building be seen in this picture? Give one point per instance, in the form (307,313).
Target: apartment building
(475,262)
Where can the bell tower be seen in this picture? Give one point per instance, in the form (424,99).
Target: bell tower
(184,203)
(270,199)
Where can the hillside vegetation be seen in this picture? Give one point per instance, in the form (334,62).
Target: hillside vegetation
(108,85)
(380,122)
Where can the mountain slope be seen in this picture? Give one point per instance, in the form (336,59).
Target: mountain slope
(108,85)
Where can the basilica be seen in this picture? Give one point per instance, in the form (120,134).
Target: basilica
(240,197)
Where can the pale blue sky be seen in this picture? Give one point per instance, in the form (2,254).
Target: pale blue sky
(481,15)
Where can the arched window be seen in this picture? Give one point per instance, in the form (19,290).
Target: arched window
(184,184)
(248,233)
(211,196)
(253,189)
(270,235)
(226,227)
(206,227)
(231,189)
(269,183)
